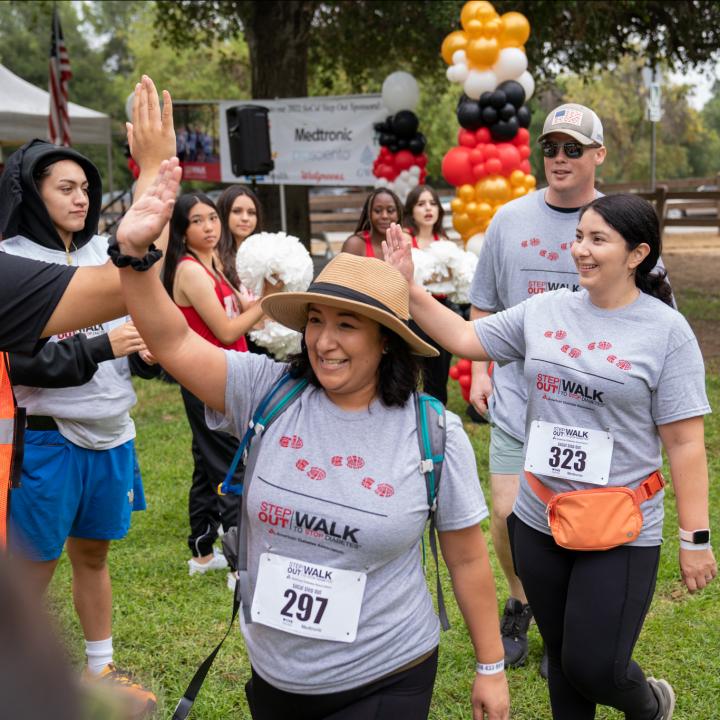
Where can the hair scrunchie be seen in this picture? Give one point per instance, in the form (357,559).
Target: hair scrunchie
(139,264)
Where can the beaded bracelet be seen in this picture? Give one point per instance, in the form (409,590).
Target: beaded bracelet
(490,668)
(139,264)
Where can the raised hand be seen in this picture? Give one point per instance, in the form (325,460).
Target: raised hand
(397,250)
(146,218)
(151,134)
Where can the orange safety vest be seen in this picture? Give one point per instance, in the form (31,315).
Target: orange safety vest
(12,425)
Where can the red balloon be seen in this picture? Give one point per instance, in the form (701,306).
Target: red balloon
(522,137)
(509,157)
(464,366)
(386,171)
(456,166)
(479,171)
(525,167)
(421,160)
(466,394)
(491,151)
(404,160)
(483,135)
(466,138)
(494,166)
(524,151)
(465,381)
(477,156)
(454,372)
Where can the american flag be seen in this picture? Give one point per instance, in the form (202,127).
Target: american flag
(60,73)
(568,117)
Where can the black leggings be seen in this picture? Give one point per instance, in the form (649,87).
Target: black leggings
(402,696)
(589,607)
(212,453)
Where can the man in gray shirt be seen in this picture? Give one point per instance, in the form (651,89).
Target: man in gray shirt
(526,252)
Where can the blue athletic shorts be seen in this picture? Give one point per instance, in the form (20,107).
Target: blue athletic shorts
(71,491)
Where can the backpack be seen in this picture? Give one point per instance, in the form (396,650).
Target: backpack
(431,432)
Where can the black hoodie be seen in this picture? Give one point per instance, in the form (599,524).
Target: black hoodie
(22,210)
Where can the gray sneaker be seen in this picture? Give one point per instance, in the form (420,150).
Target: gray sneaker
(665,696)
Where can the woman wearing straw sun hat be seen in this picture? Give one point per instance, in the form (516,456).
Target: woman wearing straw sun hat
(336,487)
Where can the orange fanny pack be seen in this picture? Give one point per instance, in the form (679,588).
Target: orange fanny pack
(597,519)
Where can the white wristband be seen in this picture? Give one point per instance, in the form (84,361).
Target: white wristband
(490,668)
(685,545)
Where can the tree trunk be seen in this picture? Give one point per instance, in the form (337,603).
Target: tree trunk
(277,33)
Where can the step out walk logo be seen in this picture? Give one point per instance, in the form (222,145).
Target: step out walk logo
(556,388)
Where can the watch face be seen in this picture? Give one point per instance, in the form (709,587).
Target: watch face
(700,537)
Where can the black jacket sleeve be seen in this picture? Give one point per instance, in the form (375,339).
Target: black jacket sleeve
(67,363)
(141,369)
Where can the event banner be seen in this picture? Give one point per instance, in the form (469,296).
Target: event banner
(314,141)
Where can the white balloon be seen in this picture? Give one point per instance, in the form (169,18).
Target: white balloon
(528,84)
(129,105)
(450,73)
(479,82)
(381,182)
(511,64)
(475,243)
(461,72)
(400,91)
(459,57)
(414,171)
(404,175)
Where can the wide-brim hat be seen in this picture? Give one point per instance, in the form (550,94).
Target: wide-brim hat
(366,286)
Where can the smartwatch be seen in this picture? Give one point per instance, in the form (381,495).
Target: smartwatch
(696,537)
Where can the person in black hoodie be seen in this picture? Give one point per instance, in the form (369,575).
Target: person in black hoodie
(80,477)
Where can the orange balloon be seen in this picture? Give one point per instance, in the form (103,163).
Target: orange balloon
(474,28)
(462,223)
(485,11)
(471,209)
(519,191)
(484,210)
(457,205)
(466,193)
(516,29)
(482,52)
(474,10)
(517,177)
(457,40)
(530,182)
(492,28)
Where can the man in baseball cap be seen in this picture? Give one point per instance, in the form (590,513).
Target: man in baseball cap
(526,252)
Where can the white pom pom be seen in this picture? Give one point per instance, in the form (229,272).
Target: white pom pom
(277,339)
(273,257)
(447,270)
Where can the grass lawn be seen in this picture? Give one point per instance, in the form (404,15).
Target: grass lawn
(165,622)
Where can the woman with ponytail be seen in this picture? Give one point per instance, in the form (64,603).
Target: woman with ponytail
(613,374)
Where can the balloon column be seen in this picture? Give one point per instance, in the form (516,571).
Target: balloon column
(490,164)
(461,371)
(400,165)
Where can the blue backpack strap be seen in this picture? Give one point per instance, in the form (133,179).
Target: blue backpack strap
(277,398)
(280,396)
(430,418)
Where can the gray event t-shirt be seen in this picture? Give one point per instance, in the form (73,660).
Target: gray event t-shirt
(344,489)
(526,252)
(626,370)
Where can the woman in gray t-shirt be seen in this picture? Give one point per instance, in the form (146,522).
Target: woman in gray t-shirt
(342,621)
(613,372)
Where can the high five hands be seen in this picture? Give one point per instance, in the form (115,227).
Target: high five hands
(151,134)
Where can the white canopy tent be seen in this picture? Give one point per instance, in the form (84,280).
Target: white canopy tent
(24,110)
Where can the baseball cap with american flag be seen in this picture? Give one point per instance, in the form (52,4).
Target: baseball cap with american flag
(577,121)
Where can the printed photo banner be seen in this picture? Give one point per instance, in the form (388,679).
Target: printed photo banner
(314,141)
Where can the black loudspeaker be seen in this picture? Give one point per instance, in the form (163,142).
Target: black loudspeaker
(249,135)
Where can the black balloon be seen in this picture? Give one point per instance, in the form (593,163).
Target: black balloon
(417,145)
(405,124)
(513,92)
(386,138)
(393,148)
(504,130)
(485,98)
(507,111)
(402,144)
(468,115)
(498,99)
(523,116)
(489,116)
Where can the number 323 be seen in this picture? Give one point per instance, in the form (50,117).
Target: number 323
(567,459)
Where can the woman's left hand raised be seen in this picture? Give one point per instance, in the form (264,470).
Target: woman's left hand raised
(491,697)
(698,568)
(144,221)
(151,134)
(397,250)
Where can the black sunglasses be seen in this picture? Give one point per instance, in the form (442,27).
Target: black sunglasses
(572,150)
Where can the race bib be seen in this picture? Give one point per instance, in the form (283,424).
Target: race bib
(306,599)
(569,453)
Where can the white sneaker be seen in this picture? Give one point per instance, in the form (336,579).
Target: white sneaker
(217,562)
(232,581)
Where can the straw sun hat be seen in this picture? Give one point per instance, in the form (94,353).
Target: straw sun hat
(366,286)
